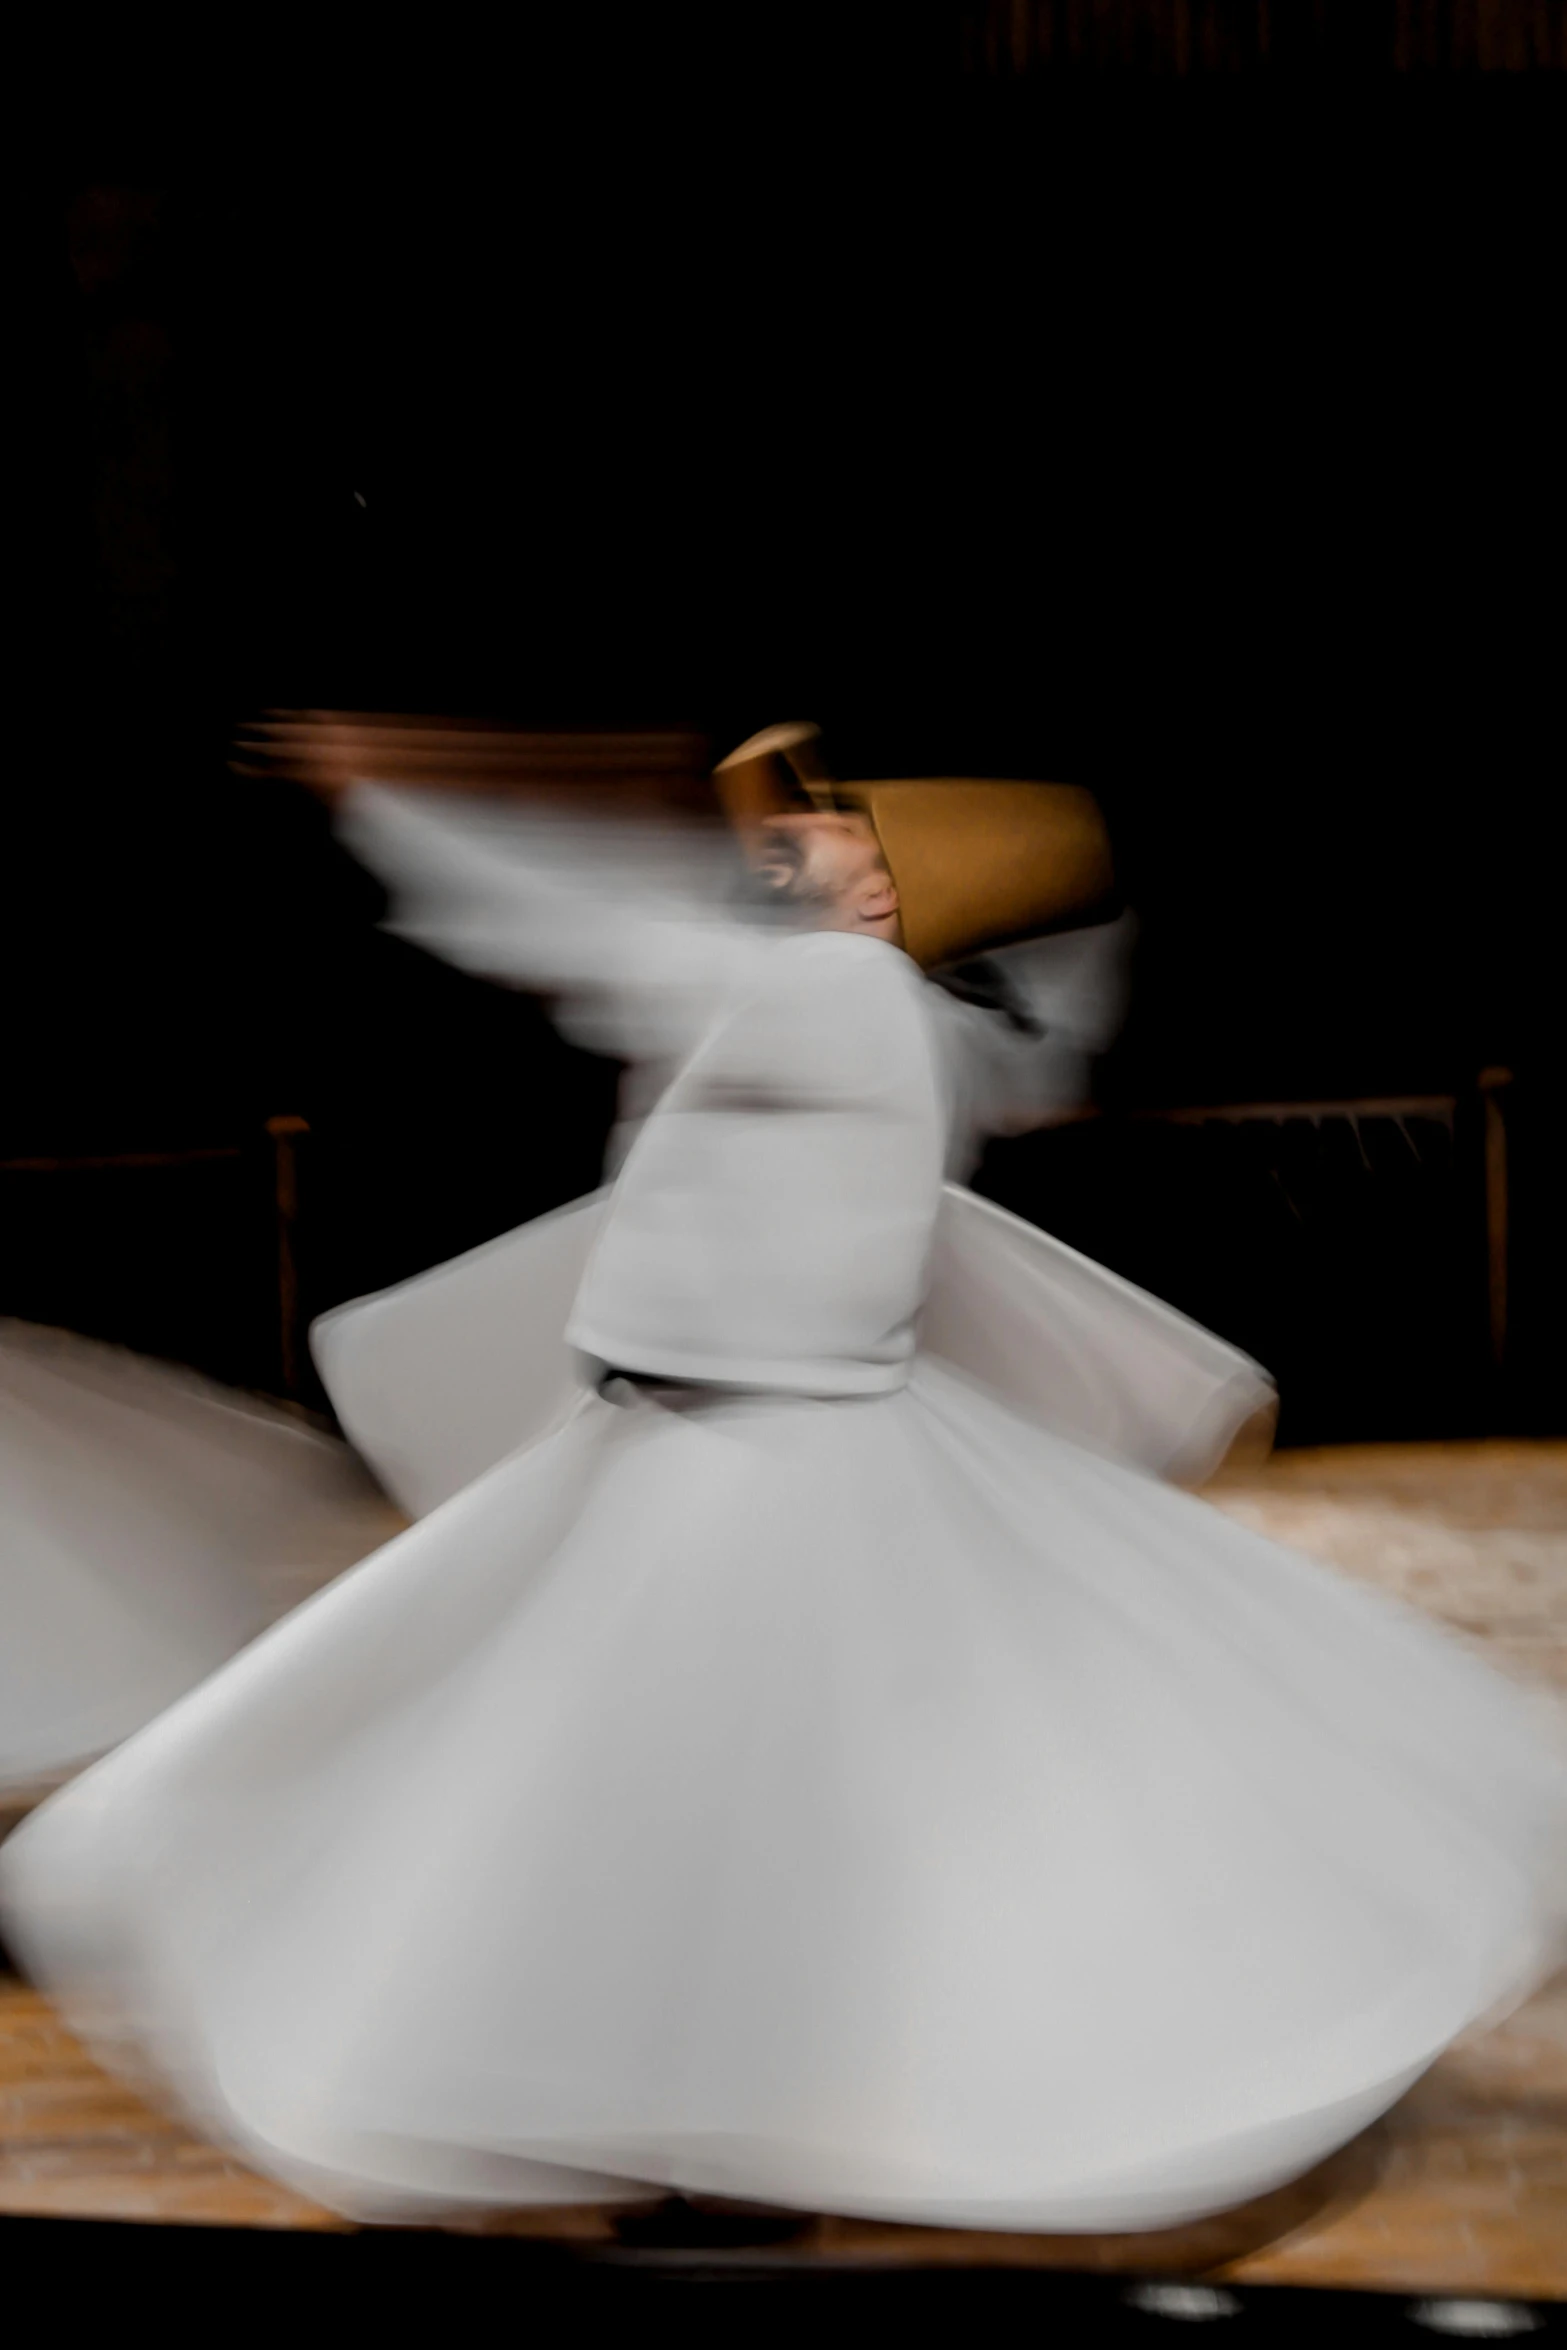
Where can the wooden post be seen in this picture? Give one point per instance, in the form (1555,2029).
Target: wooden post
(285,1133)
(1492,1084)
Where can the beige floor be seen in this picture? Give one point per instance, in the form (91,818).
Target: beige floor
(1462,2189)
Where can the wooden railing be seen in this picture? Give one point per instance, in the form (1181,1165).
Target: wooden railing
(1188,38)
(283,1136)
(1442,1109)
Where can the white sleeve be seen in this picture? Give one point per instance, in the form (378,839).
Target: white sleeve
(621,923)
(1011,1075)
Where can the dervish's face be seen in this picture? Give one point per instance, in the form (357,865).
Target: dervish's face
(829,865)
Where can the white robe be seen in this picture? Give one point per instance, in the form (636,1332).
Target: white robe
(878,1793)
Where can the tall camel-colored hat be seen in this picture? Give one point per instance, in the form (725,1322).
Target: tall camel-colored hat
(977,864)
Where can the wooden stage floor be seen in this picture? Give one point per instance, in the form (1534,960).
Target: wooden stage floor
(1461,2190)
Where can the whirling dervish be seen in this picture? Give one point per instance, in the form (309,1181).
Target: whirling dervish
(152,1521)
(808,1749)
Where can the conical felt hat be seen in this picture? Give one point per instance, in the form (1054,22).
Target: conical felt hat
(774,773)
(980,864)
(977,863)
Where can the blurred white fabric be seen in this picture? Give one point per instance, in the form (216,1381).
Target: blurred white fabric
(1008,1076)
(439,1379)
(626,925)
(632,928)
(878,1806)
(146,1518)
(897,1802)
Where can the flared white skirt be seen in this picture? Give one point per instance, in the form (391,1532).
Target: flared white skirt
(878,1806)
(150,1523)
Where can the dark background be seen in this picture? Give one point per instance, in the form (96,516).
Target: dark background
(1184,430)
